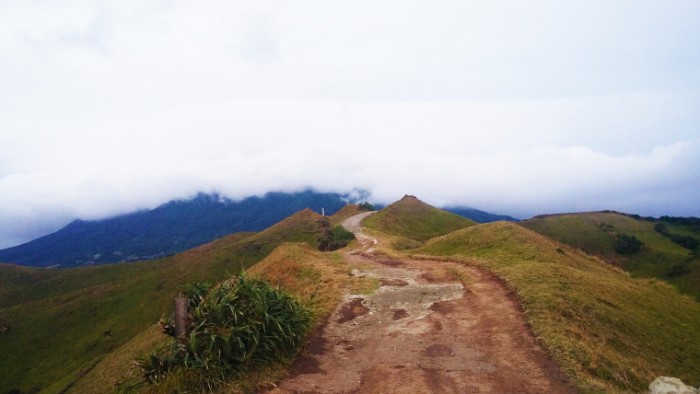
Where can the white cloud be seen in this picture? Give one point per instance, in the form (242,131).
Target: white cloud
(520,108)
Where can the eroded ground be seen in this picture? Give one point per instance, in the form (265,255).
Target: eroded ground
(430,327)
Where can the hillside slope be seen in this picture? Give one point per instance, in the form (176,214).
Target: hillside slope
(61,322)
(607,331)
(168,229)
(415,220)
(311,276)
(596,232)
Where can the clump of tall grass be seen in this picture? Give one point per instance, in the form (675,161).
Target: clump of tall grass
(233,328)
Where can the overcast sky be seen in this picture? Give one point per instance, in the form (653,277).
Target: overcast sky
(516,107)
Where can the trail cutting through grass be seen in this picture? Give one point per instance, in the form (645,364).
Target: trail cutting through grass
(428,326)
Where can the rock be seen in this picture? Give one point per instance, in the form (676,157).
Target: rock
(667,385)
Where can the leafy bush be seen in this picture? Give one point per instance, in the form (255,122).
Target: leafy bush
(335,238)
(240,325)
(627,244)
(365,206)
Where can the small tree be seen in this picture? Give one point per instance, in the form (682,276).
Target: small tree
(365,206)
(627,244)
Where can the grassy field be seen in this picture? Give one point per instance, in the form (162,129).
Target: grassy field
(608,331)
(412,222)
(63,322)
(594,233)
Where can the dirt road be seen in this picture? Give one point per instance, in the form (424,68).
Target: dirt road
(430,327)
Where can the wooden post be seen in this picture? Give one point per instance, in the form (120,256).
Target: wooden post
(180,317)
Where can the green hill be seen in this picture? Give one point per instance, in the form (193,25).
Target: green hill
(414,220)
(61,322)
(608,331)
(596,233)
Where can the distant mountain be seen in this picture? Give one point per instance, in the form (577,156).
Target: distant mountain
(168,229)
(480,216)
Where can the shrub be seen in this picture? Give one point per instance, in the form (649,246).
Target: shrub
(661,229)
(365,206)
(240,325)
(627,244)
(335,238)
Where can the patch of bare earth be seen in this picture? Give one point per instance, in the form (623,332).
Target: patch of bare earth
(422,331)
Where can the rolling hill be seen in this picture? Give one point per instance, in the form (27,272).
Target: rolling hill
(174,227)
(596,233)
(607,331)
(60,323)
(415,221)
(77,329)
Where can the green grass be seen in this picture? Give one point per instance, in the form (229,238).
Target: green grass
(240,325)
(594,234)
(607,331)
(415,220)
(63,321)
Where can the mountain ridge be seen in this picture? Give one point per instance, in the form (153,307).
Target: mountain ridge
(173,227)
(170,228)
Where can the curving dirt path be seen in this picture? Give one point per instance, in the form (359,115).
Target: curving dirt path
(430,327)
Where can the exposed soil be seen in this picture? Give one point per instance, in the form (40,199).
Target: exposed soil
(351,310)
(423,331)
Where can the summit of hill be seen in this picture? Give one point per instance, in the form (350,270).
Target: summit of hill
(415,220)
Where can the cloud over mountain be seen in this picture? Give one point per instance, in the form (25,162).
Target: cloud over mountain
(515,109)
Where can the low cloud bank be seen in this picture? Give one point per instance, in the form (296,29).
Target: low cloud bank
(445,154)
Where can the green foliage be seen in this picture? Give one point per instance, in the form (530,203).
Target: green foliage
(627,244)
(333,238)
(691,221)
(365,206)
(686,241)
(238,326)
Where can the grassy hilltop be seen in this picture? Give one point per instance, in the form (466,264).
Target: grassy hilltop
(595,233)
(412,222)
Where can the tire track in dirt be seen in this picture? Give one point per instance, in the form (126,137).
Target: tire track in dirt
(422,331)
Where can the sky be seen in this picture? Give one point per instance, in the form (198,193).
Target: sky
(514,107)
